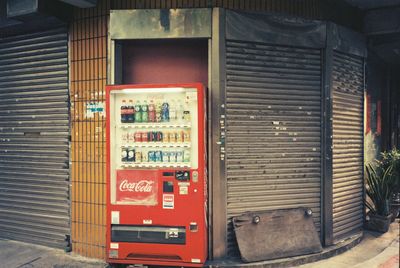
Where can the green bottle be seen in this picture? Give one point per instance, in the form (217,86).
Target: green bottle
(138,112)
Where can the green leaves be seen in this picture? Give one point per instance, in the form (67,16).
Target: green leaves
(379,189)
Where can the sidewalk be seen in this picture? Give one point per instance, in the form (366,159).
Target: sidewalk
(374,251)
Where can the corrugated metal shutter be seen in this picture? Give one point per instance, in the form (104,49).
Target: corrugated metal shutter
(273,117)
(34,130)
(348,101)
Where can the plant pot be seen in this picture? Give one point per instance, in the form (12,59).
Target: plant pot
(379,223)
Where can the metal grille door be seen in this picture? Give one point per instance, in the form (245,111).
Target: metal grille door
(348,94)
(273,117)
(34,131)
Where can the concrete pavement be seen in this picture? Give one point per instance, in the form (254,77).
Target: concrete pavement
(374,251)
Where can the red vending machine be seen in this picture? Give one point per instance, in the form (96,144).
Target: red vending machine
(156,185)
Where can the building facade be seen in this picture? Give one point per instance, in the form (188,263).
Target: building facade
(291,90)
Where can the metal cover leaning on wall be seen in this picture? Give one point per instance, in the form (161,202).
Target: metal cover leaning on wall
(348,142)
(34,132)
(273,119)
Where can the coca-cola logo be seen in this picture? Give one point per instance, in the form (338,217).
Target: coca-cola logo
(142,186)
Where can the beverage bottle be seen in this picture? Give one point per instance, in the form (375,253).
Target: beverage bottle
(165,112)
(145,112)
(138,112)
(158,111)
(179,113)
(172,111)
(131,155)
(152,111)
(130,118)
(123,111)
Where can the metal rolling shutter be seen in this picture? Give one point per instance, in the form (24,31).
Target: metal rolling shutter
(348,94)
(273,117)
(34,131)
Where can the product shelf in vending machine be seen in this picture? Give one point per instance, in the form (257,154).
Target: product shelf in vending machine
(156,175)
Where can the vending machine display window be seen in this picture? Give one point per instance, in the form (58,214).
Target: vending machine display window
(152,128)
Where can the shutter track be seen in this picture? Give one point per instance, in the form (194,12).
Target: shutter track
(34,131)
(273,139)
(348,163)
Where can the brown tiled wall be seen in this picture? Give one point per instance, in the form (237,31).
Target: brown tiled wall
(88,65)
(88,71)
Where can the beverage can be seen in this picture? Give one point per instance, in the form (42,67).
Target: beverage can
(165,137)
(179,136)
(124,155)
(150,136)
(159,136)
(138,156)
(145,137)
(131,155)
(158,156)
(125,136)
(172,156)
(165,156)
(186,136)
(179,156)
(138,136)
(172,136)
(131,136)
(145,157)
(151,156)
(186,155)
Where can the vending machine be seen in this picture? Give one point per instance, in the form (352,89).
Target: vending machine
(156,183)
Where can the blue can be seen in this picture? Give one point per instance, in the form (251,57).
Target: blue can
(152,156)
(158,156)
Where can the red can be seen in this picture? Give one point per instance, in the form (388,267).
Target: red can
(138,136)
(145,137)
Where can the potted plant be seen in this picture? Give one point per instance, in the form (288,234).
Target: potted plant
(392,158)
(379,193)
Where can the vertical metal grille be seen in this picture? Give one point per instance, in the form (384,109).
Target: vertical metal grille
(273,115)
(348,100)
(34,130)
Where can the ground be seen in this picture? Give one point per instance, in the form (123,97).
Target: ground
(374,251)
